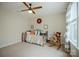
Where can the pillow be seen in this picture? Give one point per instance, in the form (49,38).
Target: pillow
(32,32)
(28,33)
(36,32)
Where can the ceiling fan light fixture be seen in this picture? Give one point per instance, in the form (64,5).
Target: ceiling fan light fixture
(30,11)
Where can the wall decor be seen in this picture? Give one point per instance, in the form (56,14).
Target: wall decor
(32,26)
(45,26)
(39,20)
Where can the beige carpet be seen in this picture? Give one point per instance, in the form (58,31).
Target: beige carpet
(30,50)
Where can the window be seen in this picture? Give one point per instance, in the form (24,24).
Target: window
(71,19)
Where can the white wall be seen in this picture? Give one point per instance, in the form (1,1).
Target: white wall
(12,24)
(55,22)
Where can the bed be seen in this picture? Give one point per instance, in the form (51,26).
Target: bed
(35,37)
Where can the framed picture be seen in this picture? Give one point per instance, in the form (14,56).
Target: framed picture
(45,26)
(32,26)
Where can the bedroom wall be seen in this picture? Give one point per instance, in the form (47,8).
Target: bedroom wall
(12,24)
(55,22)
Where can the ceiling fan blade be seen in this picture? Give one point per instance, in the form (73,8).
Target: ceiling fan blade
(25,4)
(37,7)
(33,12)
(25,10)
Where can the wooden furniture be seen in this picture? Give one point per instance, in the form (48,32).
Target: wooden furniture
(23,36)
(55,40)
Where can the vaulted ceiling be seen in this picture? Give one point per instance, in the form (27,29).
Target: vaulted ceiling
(48,8)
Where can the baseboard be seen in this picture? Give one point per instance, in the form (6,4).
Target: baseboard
(10,43)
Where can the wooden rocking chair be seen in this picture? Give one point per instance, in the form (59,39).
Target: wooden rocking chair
(57,39)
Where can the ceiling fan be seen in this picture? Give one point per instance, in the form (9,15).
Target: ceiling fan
(30,8)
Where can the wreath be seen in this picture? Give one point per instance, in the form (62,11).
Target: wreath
(39,20)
